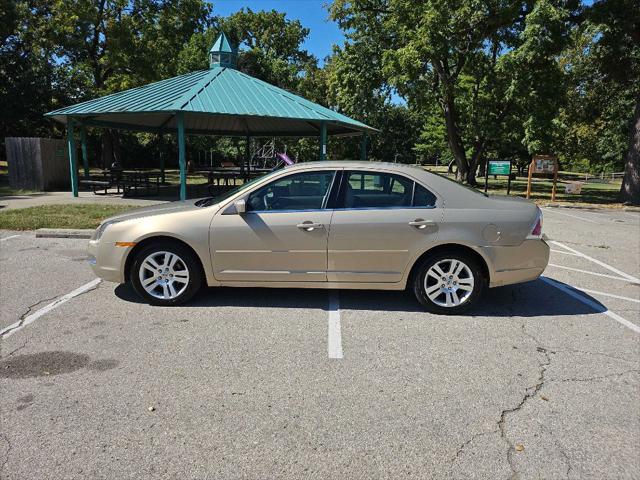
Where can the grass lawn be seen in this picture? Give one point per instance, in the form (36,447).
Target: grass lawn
(602,194)
(59,216)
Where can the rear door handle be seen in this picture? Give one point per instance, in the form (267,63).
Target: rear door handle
(309,226)
(420,223)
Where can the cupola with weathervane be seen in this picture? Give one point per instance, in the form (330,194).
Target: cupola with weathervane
(222,53)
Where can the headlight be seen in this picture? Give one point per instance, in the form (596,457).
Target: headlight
(100,230)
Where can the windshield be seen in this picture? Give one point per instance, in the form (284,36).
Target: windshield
(205,202)
(468,187)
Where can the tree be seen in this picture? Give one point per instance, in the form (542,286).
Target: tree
(630,189)
(473,59)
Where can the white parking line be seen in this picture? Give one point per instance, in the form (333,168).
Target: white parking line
(334,340)
(591,303)
(588,272)
(596,292)
(564,253)
(20,324)
(596,261)
(572,216)
(9,237)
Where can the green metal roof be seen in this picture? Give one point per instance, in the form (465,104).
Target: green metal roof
(222,44)
(219,100)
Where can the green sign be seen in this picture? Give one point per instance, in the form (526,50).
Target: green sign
(499,167)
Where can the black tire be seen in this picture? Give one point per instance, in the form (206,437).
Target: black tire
(436,305)
(186,259)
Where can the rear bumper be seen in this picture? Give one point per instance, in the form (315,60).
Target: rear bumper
(517,264)
(107,261)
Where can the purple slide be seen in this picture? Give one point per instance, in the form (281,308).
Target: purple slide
(285,158)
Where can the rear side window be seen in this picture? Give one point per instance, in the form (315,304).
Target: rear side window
(423,197)
(382,190)
(376,190)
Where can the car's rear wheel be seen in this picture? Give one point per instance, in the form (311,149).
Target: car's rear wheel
(166,274)
(448,282)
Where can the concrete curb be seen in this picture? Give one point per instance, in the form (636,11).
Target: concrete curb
(63,233)
(581,207)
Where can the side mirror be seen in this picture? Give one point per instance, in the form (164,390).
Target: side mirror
(241,206)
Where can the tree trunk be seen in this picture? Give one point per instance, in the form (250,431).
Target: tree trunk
(107,149)
(454,139)
(476,159)
(630,190)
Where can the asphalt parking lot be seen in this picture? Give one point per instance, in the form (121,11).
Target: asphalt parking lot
(541,380)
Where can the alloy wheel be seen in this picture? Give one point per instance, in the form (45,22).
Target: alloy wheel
(449,283)
(164,275)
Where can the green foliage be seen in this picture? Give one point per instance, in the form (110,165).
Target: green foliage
(462,80)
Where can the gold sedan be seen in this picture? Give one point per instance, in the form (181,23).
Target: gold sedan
(359,225)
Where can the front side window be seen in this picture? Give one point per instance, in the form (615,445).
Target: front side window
(300,191)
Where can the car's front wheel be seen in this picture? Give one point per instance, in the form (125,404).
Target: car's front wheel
(448,282)
(166,274)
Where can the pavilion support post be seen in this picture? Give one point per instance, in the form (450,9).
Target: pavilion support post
(73,164)
(163,154)
(247,157)
(363,146)
(85,156)
(182,157)
(323,141)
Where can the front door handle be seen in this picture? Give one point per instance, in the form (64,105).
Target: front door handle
(421,223)
(309,226)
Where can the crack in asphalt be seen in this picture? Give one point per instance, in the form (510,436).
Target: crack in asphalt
(22,318)
(600,377)
(530,392)
(20,322)
(561,450)
(7,454)
(465,444)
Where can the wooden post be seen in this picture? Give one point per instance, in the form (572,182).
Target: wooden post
(85,157)
(555,180)
(73,166)
(323,141)
(363,146)
(529,179)
(182,157)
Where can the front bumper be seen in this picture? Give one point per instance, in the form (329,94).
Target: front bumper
(522,263)
(107,261)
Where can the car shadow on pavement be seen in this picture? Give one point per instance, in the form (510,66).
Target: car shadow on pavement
(531,299)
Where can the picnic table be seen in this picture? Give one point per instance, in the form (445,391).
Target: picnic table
(224,178)
(124,182)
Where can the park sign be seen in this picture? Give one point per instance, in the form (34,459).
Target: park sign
(545,165)
(498,167)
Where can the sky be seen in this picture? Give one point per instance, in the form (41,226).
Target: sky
(311,13)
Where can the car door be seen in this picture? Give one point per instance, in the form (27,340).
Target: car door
(282,236)
(382,221)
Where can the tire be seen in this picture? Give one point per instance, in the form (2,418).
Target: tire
(177,283)
(460,292)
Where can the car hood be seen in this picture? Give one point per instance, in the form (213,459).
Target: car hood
(152,211)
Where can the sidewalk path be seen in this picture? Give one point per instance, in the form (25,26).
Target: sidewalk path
(63,198)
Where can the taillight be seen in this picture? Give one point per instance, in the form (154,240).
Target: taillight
(536,231)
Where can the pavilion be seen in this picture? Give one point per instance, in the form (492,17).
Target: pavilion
(218,101)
